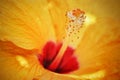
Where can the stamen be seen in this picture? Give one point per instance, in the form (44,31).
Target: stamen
(75,19)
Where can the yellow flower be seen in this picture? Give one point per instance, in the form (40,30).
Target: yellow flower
(27,25)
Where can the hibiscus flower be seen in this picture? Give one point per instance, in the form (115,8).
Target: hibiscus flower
(59,40)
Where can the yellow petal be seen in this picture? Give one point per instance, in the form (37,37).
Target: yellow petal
(47,75)
(15,64)
(100,47)
(25,23)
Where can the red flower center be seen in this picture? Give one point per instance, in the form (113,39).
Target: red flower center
(66,64)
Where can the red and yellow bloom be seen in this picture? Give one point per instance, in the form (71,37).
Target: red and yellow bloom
(32,33)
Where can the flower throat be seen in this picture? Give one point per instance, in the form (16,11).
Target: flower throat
(59,58)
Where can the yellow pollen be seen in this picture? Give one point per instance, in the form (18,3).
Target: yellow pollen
(22,61)
(75,19)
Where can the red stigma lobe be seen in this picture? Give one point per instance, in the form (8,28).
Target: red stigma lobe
(67,64)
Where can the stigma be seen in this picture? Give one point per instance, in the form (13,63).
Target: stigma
(60,57)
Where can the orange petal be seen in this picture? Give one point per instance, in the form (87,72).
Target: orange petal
(27,25)
(14,66)
(53,76)
(100,47)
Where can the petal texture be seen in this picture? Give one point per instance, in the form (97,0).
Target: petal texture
(16,66)
(100,47)
(25,23)
(57,9)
